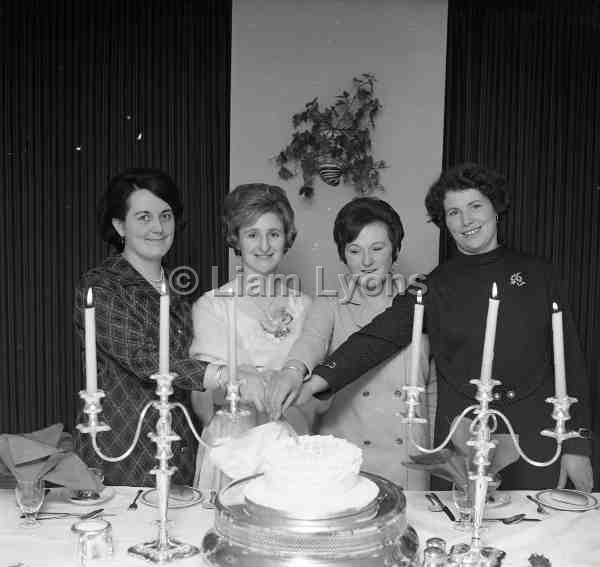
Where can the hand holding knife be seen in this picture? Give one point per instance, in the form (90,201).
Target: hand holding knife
(435,500)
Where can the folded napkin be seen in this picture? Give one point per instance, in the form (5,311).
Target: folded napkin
(45,454)
(454,462)
(243,456)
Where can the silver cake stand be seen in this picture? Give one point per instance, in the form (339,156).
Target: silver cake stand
(248,535)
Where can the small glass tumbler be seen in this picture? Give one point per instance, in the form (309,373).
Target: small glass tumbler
(30,497)
(463,500)
(95,541)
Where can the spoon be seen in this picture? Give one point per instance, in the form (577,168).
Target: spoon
(540,508)
(513,519)
(133,505)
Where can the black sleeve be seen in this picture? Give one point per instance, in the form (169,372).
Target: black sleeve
(383,336)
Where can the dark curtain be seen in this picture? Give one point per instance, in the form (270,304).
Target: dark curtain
(90,88)
(523,97)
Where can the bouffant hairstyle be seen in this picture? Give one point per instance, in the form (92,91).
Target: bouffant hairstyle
(246,203)
(360,212)
(115,201)
(466,176)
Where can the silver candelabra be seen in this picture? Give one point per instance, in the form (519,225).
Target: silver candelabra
(484,424)
(163,549)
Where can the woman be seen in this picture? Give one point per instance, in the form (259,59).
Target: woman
(468,200)
(368,235)
(139,214)
(259,225)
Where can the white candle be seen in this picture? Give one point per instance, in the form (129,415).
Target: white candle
(232,335)
(417,332)
(490,336)
(163,336)
(91,371)
(560,382)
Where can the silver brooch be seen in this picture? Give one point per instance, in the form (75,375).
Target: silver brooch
(517,279)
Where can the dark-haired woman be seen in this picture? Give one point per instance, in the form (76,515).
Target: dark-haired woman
(468,201)
(368,234)
(139,214)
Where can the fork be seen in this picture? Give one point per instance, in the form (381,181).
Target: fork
(133,505)
(540,508)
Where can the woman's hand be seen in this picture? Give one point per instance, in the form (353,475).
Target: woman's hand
(252,386)
(284,388)
(578,468)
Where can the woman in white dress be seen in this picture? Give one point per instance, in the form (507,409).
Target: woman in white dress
(259,224)
(368,234)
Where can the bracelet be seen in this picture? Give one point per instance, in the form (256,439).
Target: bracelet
(301,371)
(220,378)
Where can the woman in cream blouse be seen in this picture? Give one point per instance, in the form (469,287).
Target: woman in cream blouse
(259,226)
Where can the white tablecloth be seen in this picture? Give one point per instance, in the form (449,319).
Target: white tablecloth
(568,539)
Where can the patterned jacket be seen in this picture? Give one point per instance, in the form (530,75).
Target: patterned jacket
(127,321)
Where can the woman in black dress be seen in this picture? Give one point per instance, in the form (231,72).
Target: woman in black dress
(468,201)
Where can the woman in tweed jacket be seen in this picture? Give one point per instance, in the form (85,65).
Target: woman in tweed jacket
(139,215)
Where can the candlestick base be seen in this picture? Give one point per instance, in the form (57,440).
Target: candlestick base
(155,552)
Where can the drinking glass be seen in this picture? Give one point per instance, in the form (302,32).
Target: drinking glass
(30,497)
(463,500)
(94,541)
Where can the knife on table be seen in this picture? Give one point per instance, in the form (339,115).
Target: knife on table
(434,499)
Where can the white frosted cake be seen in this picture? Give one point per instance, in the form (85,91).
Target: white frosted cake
(312,476)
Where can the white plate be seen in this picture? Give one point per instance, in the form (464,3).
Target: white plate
(552,498)
(105,495)
(177,498)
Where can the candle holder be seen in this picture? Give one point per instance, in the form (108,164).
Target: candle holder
(483,425)
(163,549)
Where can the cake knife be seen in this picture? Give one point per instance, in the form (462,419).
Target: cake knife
(434,499)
